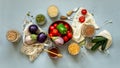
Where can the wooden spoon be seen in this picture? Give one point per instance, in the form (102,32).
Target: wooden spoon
(59,55)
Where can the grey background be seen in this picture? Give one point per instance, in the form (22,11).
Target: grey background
(12,13)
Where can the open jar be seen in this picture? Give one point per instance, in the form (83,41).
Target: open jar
(55,50)
(13,36)
(40,19)
(88,30)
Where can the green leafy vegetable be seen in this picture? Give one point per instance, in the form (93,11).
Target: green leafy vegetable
(28,13)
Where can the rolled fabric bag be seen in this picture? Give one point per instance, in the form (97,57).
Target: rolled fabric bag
(94,45)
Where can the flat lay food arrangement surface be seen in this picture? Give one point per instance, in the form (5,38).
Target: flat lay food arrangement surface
(59,34)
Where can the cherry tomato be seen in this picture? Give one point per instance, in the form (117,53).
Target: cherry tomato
(68,31)
(84,11)
(82,19)
(67,26)
(65,38)
(55,32)
(69,35)
(52,27)
(55,25)
(59,34)
(50,35)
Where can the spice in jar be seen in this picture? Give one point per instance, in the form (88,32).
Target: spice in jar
(55,50)
(88,30)
(40,19)
(73,48)
(13,36)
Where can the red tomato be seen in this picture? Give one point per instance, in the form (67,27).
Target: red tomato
(52,27)
(59,34)
(67,26)
(55,32)
(84,11)
(55,25)
(68,31)
(82,19)
(69,35)
(50,35)
(65,38)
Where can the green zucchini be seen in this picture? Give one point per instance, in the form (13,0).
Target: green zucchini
(97,39)
(104,44)
(96,46)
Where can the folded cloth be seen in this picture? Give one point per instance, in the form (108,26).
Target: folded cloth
(77,26)
(107,35)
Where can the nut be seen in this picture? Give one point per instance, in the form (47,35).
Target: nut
(63,18)
(69,13)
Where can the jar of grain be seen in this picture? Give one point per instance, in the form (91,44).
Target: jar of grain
(13,35)
(53,11)
(88,30)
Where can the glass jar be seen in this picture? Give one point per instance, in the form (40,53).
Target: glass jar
(13,36)
(88,30)
(53,49)
(40,19)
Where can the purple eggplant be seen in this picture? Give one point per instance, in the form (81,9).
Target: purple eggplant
(41,37)
(33,29)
